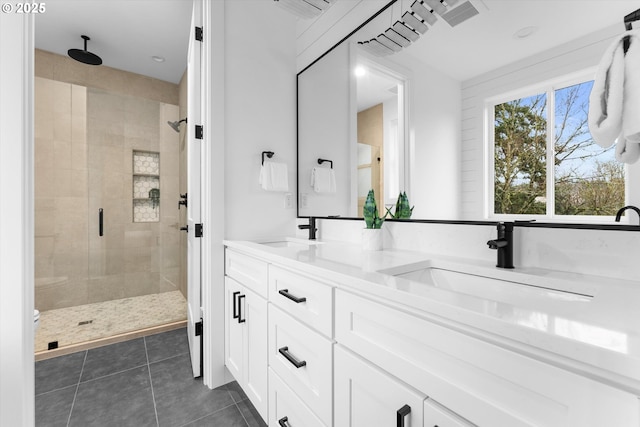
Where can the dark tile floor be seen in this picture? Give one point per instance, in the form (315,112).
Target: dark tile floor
(143,382)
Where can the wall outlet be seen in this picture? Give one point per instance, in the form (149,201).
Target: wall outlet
(288,201)
(304,200)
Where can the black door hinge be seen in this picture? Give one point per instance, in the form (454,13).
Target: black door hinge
(198,230)
(199,34)
(199,328)
(199,131)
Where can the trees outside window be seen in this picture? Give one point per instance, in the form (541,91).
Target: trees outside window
(545,161)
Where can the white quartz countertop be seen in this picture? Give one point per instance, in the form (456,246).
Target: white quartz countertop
(587,324)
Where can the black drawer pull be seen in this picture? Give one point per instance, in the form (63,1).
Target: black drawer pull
(295,362)
(402,414)
(235,305)
(284,422)
(240,319)
(285,293)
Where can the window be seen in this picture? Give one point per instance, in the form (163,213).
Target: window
(544,161)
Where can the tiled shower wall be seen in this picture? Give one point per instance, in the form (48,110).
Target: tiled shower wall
(85,137)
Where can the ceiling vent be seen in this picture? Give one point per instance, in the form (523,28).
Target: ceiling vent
(460,14)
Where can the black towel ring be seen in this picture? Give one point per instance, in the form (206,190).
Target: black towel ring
(321,161)
(269,154)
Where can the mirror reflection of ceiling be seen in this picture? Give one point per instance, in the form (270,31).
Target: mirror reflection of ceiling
(125,33)
(374,88)
(485,42)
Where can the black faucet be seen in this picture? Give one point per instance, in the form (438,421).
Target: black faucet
(311,226)
(504,245)
(619,214)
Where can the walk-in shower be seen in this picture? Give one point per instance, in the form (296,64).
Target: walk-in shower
(107,240)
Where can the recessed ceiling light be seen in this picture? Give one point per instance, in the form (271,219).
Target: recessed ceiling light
(525,32)
(158,58)
(360,71)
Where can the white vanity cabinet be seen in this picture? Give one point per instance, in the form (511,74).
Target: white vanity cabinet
(315,352)
(246,332)
(480,382)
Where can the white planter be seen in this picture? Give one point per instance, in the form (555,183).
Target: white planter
(372,239)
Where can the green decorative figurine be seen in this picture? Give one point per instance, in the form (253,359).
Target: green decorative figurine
(403,211)
(370,212)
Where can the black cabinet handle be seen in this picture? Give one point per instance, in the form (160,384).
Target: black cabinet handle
(235,305)
(295,362)
(100,222)
(402,414)
(285,293)
(240,319)
(284,422)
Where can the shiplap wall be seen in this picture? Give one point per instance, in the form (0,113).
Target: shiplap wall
(564,60)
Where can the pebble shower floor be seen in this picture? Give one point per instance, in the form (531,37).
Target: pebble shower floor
(73,325)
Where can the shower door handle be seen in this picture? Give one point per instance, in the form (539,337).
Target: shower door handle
(100,222)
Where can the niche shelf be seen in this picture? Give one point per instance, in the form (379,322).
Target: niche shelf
(146,186)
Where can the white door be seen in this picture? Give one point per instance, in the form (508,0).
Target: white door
(366,396)
(194,167)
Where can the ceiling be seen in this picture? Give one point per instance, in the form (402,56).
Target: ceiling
(124,33)
(483,43)
(127,33)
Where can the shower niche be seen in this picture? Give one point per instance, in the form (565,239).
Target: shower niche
(146,186)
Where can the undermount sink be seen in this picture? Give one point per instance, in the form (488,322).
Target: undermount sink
(488,283)
(290,242)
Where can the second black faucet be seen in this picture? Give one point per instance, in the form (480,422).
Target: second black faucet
(504,244)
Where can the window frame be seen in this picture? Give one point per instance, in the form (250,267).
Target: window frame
(547,87)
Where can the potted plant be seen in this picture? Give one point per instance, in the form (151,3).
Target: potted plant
(403,211)
(372,234)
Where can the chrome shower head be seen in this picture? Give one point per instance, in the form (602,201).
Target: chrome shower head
(176,125)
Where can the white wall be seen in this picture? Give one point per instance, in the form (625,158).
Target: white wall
(572,57)
(260,115)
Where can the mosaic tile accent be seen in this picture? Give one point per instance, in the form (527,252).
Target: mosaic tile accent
(142,185)
(73,325)
(146,162)
(146,170)
(144,211)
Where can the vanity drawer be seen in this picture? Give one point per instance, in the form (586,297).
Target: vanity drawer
(303,359)
(485,384)
(287,408)
(306,299)
(249,271)
(435,415)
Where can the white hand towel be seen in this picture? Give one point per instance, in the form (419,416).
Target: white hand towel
(614,103)
(274,176)
(627,151)
(323,180)
(605,100)
(631,106)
